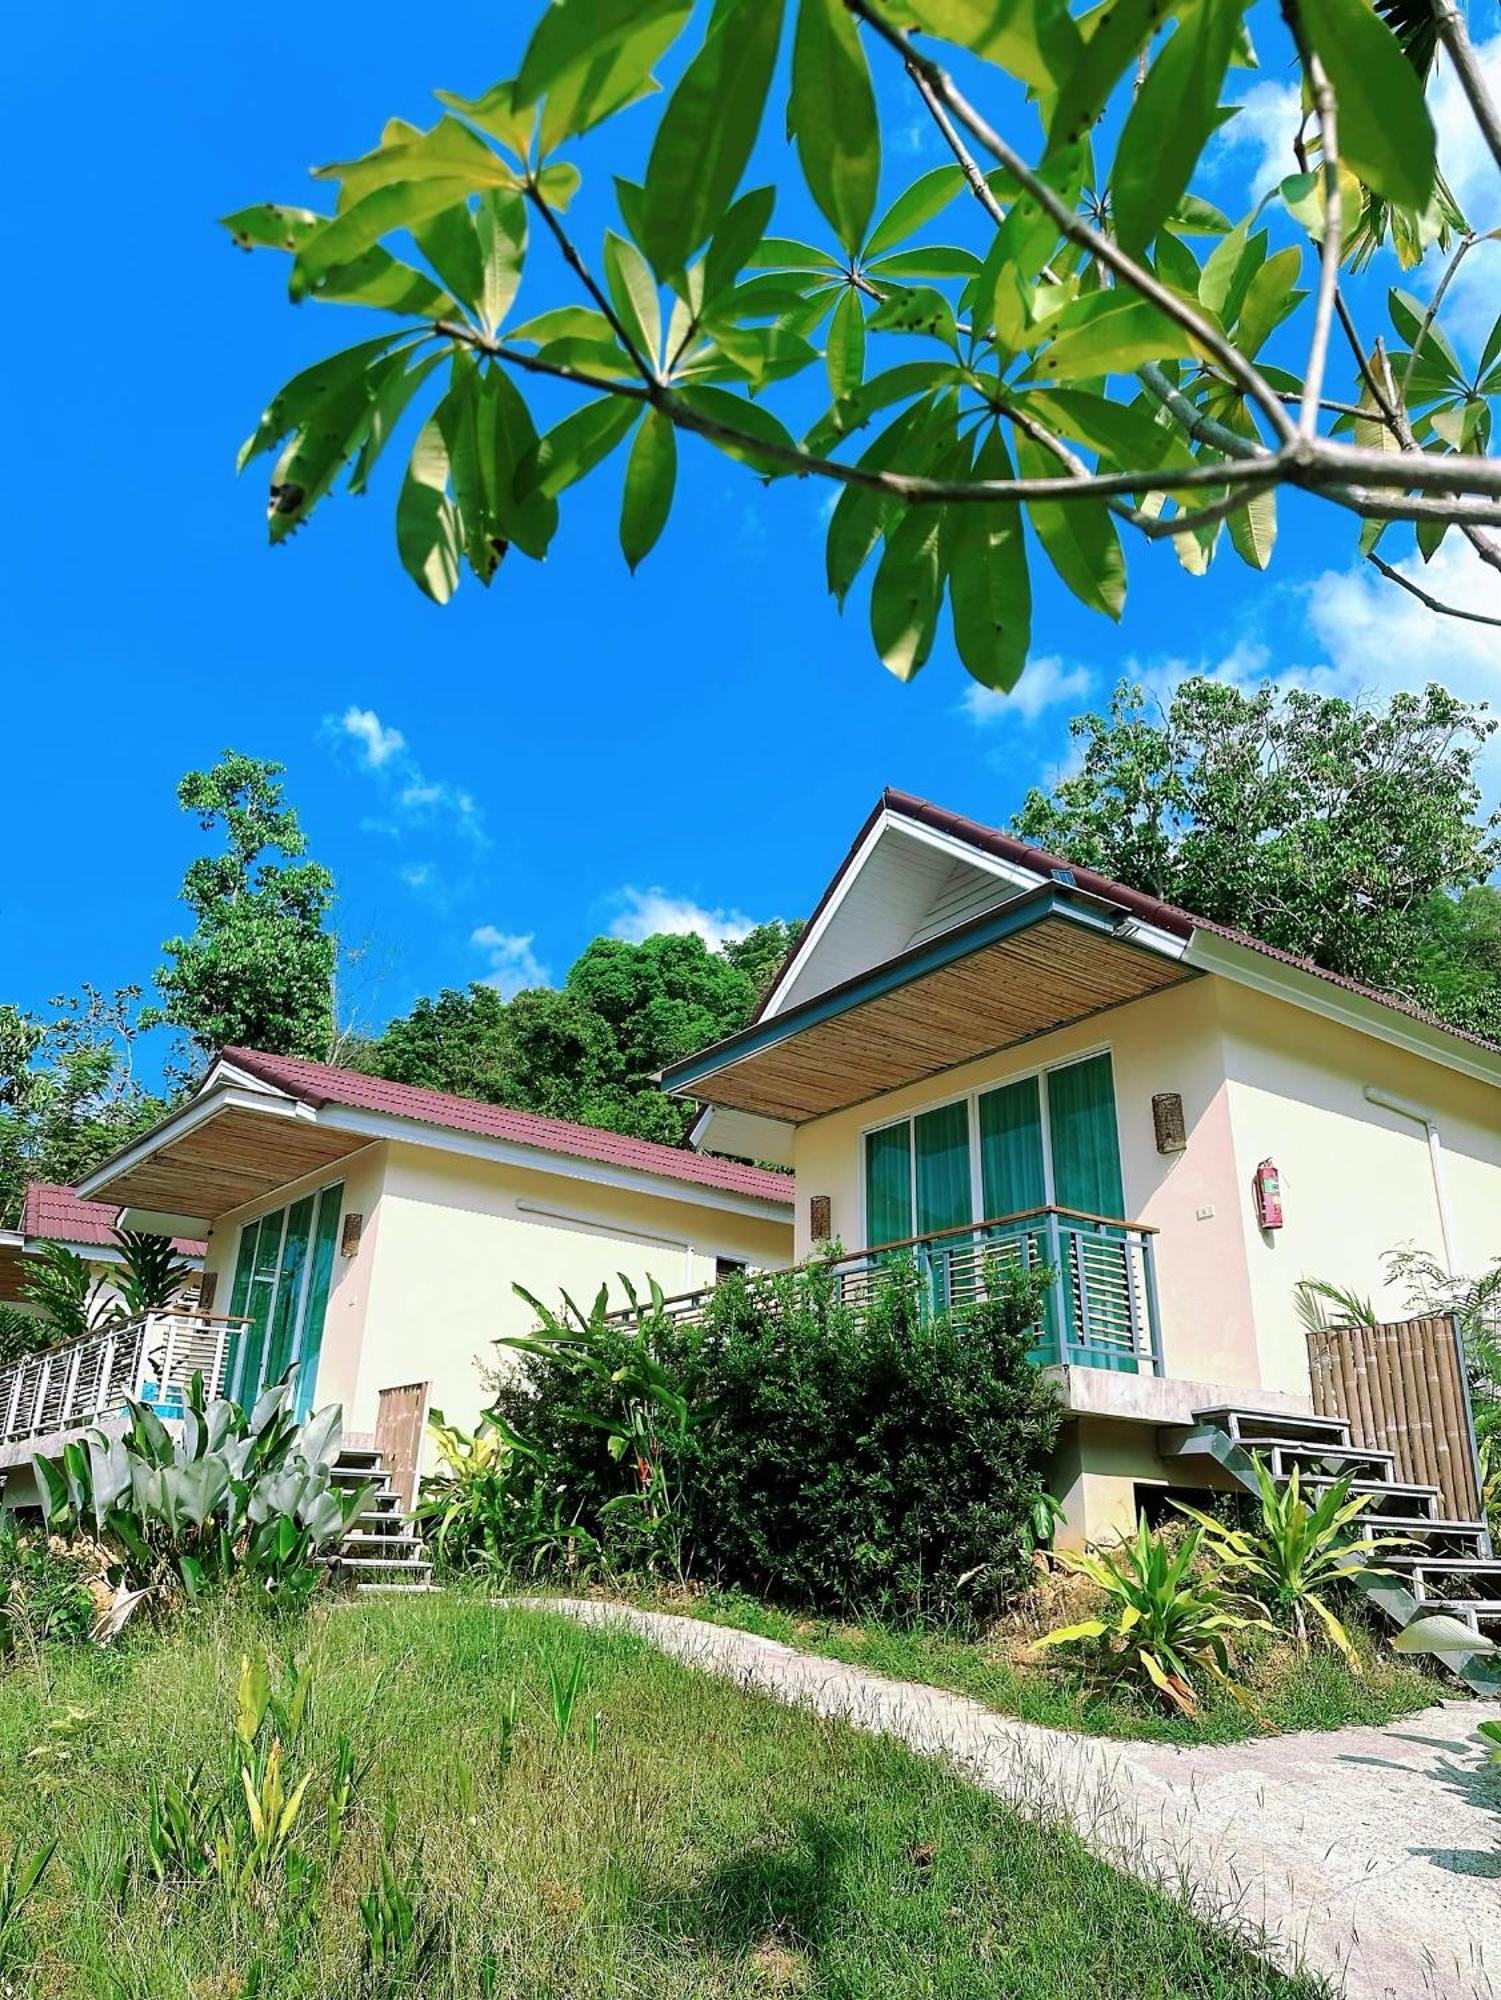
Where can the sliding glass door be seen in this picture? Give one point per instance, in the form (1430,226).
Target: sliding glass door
(282,1278)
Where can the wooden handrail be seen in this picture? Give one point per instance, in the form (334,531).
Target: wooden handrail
(1000,1222)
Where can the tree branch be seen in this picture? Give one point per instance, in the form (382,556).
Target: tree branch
(1074,227)
(1455,37)
(1425,597)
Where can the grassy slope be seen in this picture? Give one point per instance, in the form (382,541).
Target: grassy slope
(713,1844)
(1289,1693)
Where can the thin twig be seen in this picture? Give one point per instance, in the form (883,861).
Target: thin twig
(1426,597)
(645,368)
(1466,244)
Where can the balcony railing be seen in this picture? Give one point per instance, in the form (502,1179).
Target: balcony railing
(1099,1308)
(152,1359)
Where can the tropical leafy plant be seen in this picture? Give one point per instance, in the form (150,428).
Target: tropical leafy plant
(43,1589)
(490,1504)
(1165,1617)
(1090,345)
(151,1275)
(21,1333)
(627,1393)
(72,1301)
(236,1496)
(1299,1554)
(1325,1307)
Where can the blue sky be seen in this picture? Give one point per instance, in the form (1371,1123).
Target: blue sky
(576,750)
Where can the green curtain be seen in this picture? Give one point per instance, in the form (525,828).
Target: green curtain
(888,1184)
(239,1303)
(1011,1165)
(289,1289)
(1081,1127)
(941,1139)
(320,1277)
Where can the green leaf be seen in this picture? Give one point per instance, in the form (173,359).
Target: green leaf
(449,151)
(450,244)
(1170,123)
(1253,529)
(271,225)
(723,408)
(1109,333)
(1123,29)
(928,194)
(732,243)
(990,593)
(396,390)
(469,434)
(427,530)
(1078,537)
(844,356)
(707,131)
(575,446)
(892,385)
(781,253)
(861,511)
(353,232)
(1407,317)
(634,292)
(590,57)
(650,475)
(1385,132)
(907,592)
(497,112)
(915,309)
(1035,40)
(937,260)
(500,228)
(1270,297)
(374,279)
(330,434)
(529,521)
(832,115)
(558,182)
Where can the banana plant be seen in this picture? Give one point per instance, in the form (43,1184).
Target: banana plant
(1161,1618)
(1299,1553)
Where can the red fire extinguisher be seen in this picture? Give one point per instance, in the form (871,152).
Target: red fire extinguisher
(1267,1187)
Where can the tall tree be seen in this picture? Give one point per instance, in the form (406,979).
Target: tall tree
(761,951)
(68,1091)
(1083,345)
(258,966)
(588,1050)
(1344,832)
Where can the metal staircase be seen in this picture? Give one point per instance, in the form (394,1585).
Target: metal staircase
(382,1550)
(1449,1566)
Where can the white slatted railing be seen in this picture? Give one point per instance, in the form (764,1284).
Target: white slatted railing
(152,1359)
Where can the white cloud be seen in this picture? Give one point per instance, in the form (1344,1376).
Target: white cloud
(512,962)
(1266,121)
(647,912)
(378,743)
(412,796)
(418,874)
(1044,684)
(1379,639)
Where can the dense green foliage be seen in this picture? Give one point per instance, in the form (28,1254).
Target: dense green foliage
(883,1459)
(587,1050)
(1345,833)
(678,1835)
(68,1093)
(44,1590)
(258,966)
(1054,333)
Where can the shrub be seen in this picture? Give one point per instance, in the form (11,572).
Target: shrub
(487,1507)
(43,1588)
(874,1458)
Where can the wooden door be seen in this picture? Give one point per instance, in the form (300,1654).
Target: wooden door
(398,1436)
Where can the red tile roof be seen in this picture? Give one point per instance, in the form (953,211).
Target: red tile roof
(322,1083)
(56,1214)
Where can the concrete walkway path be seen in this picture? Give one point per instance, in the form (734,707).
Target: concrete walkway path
(1372,1856)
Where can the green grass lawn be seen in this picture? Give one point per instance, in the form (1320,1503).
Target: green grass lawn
(1060,1691)
(694,1840)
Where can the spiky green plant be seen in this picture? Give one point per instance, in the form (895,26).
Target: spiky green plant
(72,1301)
(151,1273)
(1298,1554)
(1163,1618)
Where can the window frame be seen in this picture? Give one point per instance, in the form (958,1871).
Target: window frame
(971,1099)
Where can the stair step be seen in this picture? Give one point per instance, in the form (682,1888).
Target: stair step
(393,1589)
(1475,1611)
(1375,1489)
(1251,1426)
(359,1454)
(358,1542)
(358,1475)
(1314,1456)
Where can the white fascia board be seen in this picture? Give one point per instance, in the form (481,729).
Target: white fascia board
(227,1072)
(1136,930)
(511,1153)
(12,1239)
(1208,952)
(197,1111)
(950,844)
